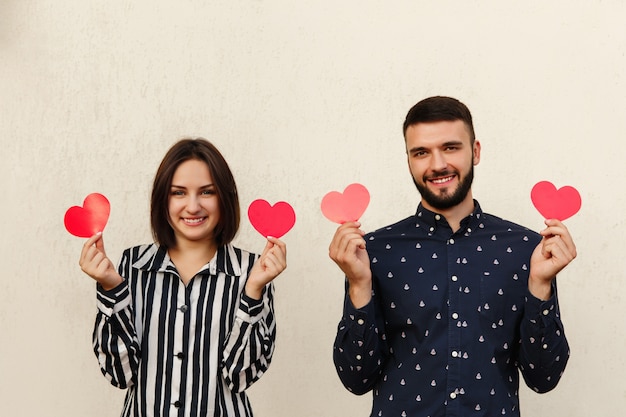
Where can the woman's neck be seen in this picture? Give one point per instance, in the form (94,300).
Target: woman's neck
(189,257)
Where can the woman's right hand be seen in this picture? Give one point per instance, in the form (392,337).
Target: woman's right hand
(94,262)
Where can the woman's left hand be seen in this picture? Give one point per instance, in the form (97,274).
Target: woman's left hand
(272,262)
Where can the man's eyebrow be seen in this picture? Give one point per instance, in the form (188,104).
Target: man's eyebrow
(417,149)
(453,142)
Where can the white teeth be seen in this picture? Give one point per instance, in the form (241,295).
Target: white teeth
(194,221)
(442,180)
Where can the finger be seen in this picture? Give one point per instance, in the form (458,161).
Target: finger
(92,261)
(566,237)
(276,255)
(88,244)
(566,242)
(557,228)
(348,228)
(92,239)
(268,246)
(269,264)
(279,244)
(275,266)
(87,255)
(100,243)
(560,250)
(350,243)
(104,267)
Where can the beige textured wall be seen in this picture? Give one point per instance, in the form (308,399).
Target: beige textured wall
(302,98)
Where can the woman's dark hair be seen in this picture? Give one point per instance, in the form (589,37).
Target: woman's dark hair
(202,150)
(438,109)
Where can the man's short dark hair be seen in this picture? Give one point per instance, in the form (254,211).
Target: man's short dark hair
(438,109)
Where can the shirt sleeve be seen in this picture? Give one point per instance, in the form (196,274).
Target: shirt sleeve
(250,345)
(544,349)
(114,338)
(360,350)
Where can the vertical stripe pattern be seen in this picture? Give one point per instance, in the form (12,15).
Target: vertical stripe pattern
(184,351)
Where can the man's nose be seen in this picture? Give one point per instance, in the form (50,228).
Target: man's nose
(438,162)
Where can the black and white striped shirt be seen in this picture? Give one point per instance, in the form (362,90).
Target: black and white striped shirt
(185,351)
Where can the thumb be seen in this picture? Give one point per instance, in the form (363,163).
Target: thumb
(268,245)
(100,244)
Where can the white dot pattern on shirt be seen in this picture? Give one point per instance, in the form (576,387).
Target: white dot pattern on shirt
(488,303)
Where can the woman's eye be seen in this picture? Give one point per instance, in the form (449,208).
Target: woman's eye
(178,192)
(208,192)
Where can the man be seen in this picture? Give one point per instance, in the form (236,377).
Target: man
(443,307)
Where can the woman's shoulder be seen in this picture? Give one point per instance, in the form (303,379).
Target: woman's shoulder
(149,253)
(141,249)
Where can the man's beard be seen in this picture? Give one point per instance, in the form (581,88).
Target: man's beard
(446,201)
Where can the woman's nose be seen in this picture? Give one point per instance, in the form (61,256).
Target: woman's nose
(193,204)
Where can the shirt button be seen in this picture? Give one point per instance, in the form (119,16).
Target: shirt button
(358,357)
(180,355)
(360,321)
(453,395)
(183,308)
(437,217)
(454,278)
(451,241)
(545,346)
(177,404)
(546,312)
(455,354)
(455,316)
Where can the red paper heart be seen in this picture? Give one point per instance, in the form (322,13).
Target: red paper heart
(555,204)
(270,220)
(89,219)
(346,207)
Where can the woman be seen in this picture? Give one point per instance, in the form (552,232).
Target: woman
(186,324)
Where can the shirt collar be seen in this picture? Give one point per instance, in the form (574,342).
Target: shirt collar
(156,258)
(431,221)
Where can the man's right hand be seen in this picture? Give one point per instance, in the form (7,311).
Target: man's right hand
(347,250)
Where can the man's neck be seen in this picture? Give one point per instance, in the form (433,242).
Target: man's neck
(454,215)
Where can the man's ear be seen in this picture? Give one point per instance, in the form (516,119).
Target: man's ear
(476,152)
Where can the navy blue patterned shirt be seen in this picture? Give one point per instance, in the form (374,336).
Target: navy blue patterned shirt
(451,320)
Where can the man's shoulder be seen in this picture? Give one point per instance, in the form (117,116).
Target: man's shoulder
(497,220)
(492,222)
(398,227)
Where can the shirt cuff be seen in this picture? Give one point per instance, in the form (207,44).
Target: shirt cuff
(542,312)
(250,309)
(114,300)
(358,320)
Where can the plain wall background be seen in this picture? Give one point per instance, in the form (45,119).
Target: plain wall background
(302,98)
